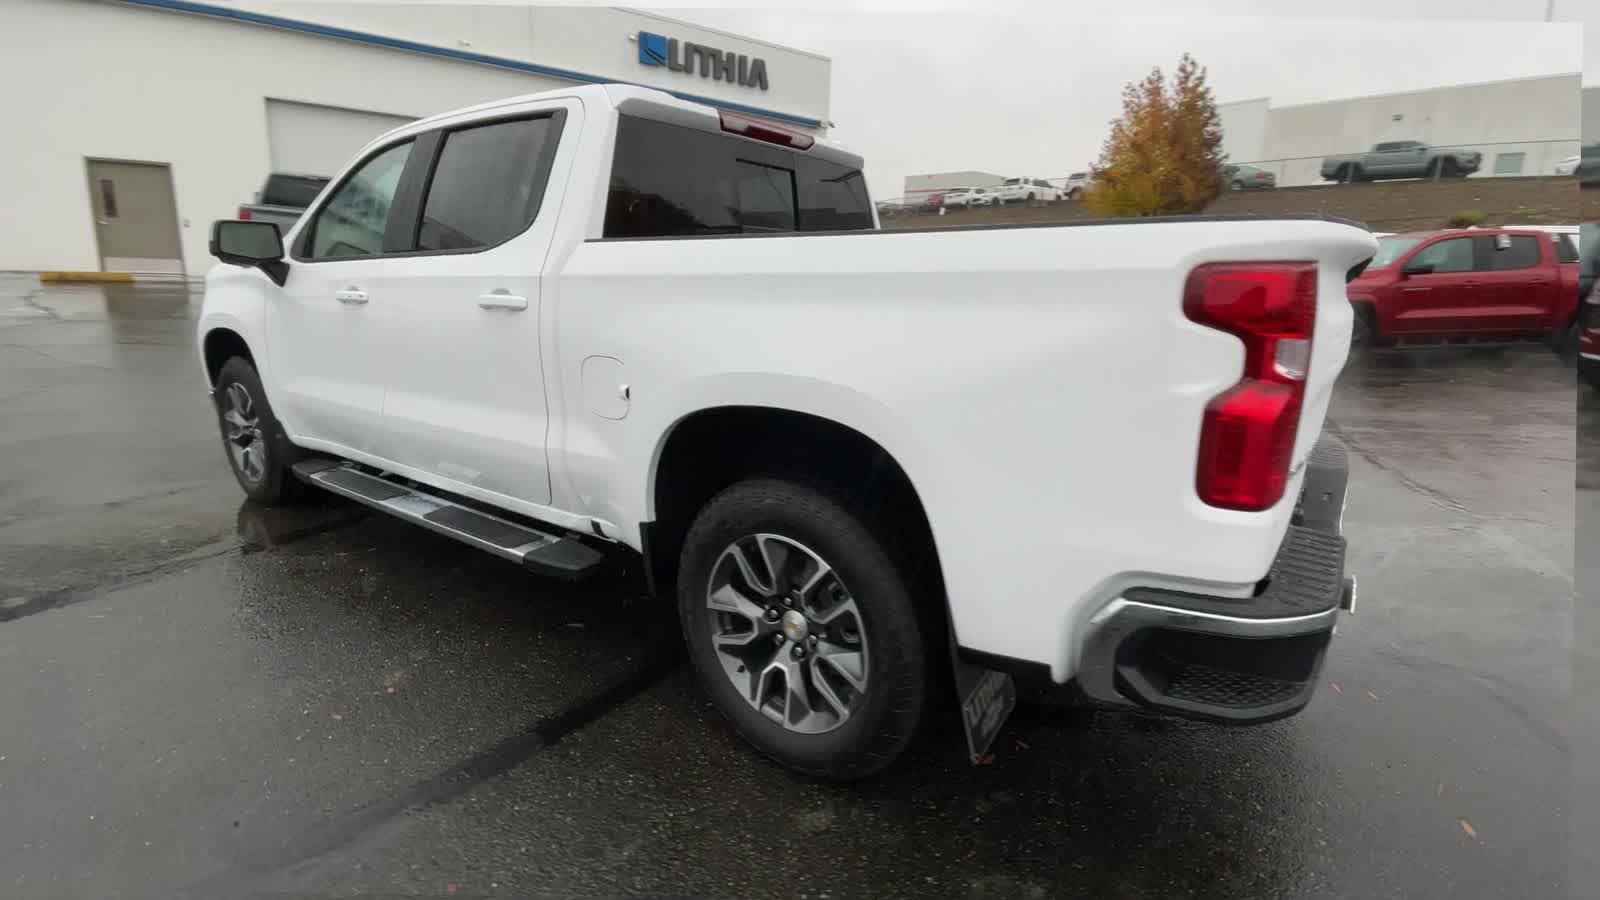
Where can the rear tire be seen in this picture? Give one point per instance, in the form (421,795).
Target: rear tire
(1363,330)
(836,727)
(1565,341)
(1238,185)
(258,450)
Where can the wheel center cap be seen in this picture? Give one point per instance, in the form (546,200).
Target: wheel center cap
(794,625)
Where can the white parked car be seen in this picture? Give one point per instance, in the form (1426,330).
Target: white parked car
(1077,183)
(959,197)
(605,326)
(1027,190)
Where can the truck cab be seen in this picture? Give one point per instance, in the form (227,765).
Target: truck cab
(1493,284)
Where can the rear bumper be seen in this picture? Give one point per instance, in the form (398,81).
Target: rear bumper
(1239,661)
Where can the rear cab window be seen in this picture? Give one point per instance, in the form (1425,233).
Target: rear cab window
(1566,250)
(674,181)
(292,190)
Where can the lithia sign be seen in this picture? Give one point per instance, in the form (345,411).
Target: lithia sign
(683,56)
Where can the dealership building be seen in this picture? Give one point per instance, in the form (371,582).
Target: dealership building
(168,114)
(1521,127)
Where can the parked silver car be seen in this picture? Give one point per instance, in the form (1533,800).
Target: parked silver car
(1240,177)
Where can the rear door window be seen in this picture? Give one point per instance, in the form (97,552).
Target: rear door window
(1501,253)
(487,184)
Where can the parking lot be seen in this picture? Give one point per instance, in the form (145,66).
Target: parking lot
(203,697)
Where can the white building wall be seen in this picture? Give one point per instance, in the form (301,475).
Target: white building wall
(1244,128)
(1591,114)
(1538,117)
(150,85)
(940,181)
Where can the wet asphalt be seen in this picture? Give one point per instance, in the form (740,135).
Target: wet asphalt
(201,697)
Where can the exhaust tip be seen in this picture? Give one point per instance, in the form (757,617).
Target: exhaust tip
(1347,595)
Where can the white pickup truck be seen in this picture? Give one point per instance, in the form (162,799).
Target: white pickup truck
(604,325)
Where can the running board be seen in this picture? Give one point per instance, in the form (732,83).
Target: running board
(540,552)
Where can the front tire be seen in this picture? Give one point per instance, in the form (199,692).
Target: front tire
(1590,372)
(802,627)
(258,451)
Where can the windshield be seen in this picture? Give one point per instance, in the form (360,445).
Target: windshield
(1391,249)
(1013,181)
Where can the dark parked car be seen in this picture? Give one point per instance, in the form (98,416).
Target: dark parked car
(283,199)
(1589,309)
(1588,170)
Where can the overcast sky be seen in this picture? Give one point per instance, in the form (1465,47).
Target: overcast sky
(1024,88)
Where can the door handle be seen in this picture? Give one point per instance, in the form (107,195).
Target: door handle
(498,300)
(351,296)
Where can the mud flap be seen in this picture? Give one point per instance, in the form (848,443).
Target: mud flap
(987,698)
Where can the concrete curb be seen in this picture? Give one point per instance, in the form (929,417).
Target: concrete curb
(109,277)
(85,276)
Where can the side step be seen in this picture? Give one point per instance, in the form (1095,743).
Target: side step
(541,552)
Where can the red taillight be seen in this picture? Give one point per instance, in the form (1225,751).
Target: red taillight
(761,131)
(244,214)
(1261,176)
(1247,434)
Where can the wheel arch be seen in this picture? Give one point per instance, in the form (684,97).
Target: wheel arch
(221,344)
(694,460)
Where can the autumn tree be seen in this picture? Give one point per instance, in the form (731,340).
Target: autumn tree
(1164,154)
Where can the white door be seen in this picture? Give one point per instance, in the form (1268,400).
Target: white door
(323,340)
(466,395)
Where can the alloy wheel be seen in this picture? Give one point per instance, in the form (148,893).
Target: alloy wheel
(787,633)
(242,426)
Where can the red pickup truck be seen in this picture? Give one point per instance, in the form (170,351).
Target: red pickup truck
(1470,284)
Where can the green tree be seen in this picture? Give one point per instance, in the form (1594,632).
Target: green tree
(1164,154)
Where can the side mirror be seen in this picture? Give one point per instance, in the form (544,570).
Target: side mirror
(1410,269)
(252,245)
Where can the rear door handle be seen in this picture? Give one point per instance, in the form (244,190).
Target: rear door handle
(502,301)
(351,296)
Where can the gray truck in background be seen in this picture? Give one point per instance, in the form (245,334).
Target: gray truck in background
(283,199)
(1401,159)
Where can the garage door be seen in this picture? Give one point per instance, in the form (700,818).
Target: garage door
(318,140)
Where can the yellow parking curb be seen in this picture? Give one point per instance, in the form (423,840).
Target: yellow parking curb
(85,276)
